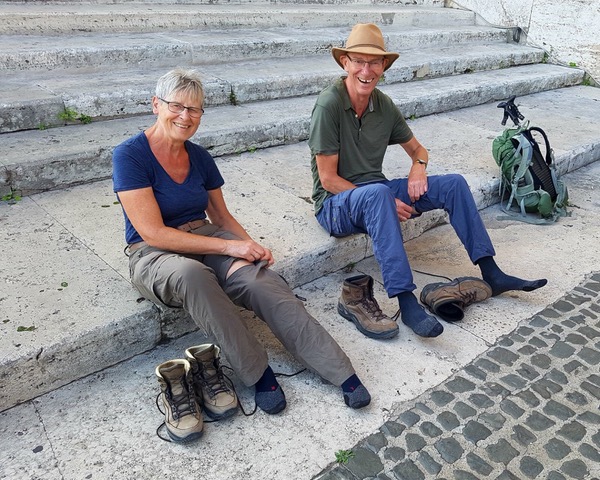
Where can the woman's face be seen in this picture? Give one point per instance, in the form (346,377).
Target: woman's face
(179,115)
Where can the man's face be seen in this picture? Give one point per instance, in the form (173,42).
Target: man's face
(364,71)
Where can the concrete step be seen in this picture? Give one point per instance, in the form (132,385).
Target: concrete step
(40,160)
(65,277)
(42,97)
(84,18)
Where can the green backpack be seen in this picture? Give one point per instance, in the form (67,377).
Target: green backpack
(527,178)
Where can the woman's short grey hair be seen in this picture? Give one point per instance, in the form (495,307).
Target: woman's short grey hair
(180,80)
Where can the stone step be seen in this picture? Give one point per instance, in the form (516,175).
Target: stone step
(85,18)
(39,160)
(65,277)
(38,99)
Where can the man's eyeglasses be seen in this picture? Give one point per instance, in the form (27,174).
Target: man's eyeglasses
(359,62)
(175,107)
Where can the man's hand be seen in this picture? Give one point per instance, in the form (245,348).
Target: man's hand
(417,182)
(403,210)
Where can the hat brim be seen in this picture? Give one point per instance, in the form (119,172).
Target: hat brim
(338,52)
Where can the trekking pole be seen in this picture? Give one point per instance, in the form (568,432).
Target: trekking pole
(510,110)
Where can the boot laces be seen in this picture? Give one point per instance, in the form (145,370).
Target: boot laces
(182,404)
(372,308)
(214,383)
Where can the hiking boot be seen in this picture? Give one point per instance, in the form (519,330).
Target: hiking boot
(449,299)
(183,416)
(213,391)
(358,305)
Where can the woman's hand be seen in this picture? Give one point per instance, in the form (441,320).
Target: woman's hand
(249,250)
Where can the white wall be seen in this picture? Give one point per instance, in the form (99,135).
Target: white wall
(568,29)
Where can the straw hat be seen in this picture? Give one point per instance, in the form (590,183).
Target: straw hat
(365,38)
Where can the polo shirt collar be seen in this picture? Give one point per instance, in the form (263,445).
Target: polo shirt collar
(341,86)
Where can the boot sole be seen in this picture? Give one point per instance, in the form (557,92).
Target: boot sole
(377,335)
(190,438)
(220,416)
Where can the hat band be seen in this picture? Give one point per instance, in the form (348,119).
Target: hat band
(366,45)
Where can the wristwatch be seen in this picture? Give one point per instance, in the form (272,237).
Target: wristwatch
(421,162)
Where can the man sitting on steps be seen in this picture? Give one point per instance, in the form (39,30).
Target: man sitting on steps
(352,125)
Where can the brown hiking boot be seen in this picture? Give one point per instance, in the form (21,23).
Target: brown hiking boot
(183,416)
(213,391)
(358,305)
(449,299)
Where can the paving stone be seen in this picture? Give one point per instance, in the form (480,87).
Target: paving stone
(558,410)
(573,365)
(577,398)
(407,470)
(574,469)
(392,429)
(460,385)
(383,476)
(430,429)
(464,410)
(590,417)
(337,473)
(502,355)
(364,463)
(538,422)
(449,449)
(569,323)
(494,389)
(596,439)
(448,420)
(561,350)
(464,475)
(538,321)
(441,397)
(505,342)
(514,380)
(541,360)
(395,454)
(595,286)
(375,442)
(414,442)
(481,400)
(545,388)
(511,408)
(530,466)
(527,350)
(576,339)
(573,431)
(557,449)
(591,388)
(557,376)
(507,475)
(595,379)
(588,451)
(529,398)
(523,435)
(409,418)
(475,372)
(563,306)
(538,342)
(501,452)
(429,464)
(589,355)
(589,332)
(554,475)
(488,365)
(424,408)
(478,464)
(516,338)
(493,420)
(474,432)
(557,329)
(525,331)
(527,371)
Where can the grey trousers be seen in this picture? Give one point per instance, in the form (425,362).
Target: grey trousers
(198,284)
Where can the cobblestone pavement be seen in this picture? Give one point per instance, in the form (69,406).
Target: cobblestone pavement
(527,408)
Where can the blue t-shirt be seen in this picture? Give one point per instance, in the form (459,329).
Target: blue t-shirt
(135,166)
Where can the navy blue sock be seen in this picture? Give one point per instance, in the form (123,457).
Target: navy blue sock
(415,316)
(350,384)
(268,382)
(355,393)
(501,282)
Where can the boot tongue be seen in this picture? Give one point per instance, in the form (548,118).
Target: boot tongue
(207,358)
(175,375)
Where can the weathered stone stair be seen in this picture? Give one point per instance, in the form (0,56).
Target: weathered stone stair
(62,268)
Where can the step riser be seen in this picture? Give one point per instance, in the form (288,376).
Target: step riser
(25,115)
(134,21)
(70,168)
(157,51)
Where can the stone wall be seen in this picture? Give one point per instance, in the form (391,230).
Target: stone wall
(569,30)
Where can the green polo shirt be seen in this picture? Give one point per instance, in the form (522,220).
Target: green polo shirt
(360,142)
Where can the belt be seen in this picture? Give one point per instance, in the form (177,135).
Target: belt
(186,227)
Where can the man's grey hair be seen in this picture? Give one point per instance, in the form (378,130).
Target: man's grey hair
(180,80)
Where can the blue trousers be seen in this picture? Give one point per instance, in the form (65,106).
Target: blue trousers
(370,208)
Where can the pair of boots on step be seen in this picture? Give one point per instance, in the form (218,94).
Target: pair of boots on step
(196,383)
(445,299)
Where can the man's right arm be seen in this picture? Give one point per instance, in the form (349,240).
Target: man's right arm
(327,166)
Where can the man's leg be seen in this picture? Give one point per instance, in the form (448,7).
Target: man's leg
(371,209)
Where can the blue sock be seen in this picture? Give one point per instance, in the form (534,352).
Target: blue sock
(414,316)
(268,382)
(355,393)
(501,282)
